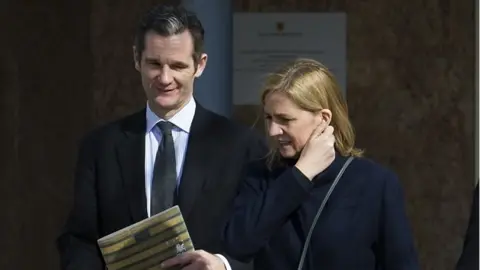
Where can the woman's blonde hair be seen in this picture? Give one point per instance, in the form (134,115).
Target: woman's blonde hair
(312,87)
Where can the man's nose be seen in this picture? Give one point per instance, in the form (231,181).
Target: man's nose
(165,77)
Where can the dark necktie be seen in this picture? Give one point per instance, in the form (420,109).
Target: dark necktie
(164,180)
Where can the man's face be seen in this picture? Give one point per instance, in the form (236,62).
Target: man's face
(168,71)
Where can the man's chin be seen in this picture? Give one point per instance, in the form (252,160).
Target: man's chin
(165,103)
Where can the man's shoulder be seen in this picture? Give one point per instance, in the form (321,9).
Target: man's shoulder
(226,123)
(133,122)
(230,131)
(222,125)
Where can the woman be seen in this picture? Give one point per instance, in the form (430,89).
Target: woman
(363,225)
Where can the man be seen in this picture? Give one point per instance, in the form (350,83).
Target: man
(119,178)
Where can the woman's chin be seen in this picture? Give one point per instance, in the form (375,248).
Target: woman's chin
(287,152)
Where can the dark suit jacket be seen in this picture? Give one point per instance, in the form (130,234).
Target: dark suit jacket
(469,258)
(362,227)
(110,187)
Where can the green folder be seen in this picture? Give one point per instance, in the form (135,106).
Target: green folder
(146,244)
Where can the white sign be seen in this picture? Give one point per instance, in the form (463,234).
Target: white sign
(264,41)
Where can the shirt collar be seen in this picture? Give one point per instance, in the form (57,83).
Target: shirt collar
(182,119)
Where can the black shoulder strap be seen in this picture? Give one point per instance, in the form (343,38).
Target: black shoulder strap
(310,231)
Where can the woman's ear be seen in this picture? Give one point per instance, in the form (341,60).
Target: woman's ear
(327,115)
(324,115)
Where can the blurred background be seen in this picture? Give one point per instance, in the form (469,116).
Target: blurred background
(67,66)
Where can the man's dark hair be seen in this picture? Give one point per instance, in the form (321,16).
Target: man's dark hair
(167,20)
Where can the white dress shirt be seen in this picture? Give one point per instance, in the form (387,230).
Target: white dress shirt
(182,121)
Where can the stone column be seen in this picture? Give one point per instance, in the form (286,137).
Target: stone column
(214,88)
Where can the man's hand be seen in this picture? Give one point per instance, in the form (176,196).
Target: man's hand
(195,260)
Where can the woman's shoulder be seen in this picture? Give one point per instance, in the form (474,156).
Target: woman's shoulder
(374,178)
(373,171)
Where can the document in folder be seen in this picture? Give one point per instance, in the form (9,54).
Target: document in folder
(146,244)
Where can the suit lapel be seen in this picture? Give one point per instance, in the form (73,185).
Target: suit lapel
(194,168)
(131,158)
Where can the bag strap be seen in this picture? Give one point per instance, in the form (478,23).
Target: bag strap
(320,210)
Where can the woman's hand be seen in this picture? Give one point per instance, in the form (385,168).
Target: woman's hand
(319,151)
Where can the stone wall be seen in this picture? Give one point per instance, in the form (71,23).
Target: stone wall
(67,66)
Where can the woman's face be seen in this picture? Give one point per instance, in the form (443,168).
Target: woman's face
(288,125)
